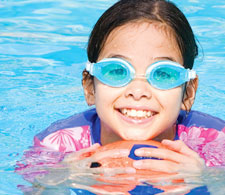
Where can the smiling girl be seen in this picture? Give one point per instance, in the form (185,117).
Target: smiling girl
(140,79)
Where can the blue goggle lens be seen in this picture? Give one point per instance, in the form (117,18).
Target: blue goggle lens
(115,73)
(167,76)
(161,75)
(112,72)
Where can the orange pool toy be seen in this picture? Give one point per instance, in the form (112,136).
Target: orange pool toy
(111,162)
(127,182)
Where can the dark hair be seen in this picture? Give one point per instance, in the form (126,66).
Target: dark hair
(162,11)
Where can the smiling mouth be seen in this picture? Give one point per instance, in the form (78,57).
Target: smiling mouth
(136,114)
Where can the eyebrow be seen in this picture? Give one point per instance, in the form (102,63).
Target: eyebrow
(119,56)
(165,58)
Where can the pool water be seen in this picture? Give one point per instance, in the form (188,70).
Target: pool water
(42,55)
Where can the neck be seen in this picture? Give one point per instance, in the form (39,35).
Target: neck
(108,136)
(168,134)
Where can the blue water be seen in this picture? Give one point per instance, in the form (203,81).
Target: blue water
(43,52)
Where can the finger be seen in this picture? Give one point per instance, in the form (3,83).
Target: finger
(77,154)
(91,148)
(124,179)
(157,165)
(168,166)
(115,153)
(112,171)
(162,154)
(55,176)
(180,146)
(116,171)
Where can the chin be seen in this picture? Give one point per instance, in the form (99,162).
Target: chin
(135,138)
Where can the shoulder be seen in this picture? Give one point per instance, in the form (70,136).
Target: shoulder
(200,119)
(70,134)
(85,118)
(205,134)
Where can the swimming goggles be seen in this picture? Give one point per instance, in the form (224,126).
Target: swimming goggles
(116,72)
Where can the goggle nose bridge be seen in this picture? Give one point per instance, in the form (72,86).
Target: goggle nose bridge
(139,76)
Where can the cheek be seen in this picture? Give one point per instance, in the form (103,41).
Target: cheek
(105,95)
(171,99)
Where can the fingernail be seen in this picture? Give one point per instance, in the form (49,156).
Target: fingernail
(137,164)
(138,152)
(130,170)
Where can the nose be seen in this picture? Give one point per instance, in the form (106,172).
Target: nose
(138,89)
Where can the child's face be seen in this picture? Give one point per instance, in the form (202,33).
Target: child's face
(138,111)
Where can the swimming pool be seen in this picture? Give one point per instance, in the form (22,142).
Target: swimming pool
(42,54)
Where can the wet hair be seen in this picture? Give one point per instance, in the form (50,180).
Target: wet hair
(161,11)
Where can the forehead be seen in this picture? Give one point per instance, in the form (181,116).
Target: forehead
(143,34)
(144,24)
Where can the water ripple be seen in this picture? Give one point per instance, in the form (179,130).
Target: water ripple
(43,52)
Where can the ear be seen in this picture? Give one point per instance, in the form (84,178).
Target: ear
(88,87)
(189,94)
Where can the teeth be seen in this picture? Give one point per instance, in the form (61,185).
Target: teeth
(136,113)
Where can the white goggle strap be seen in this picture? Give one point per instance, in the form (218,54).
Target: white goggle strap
(191,74)
(89,67)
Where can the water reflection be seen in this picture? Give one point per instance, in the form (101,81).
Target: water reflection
(63,178)
(36,65)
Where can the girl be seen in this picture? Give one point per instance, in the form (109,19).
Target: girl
(140,79)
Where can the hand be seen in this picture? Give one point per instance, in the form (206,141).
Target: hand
(175,158)
(76,169)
